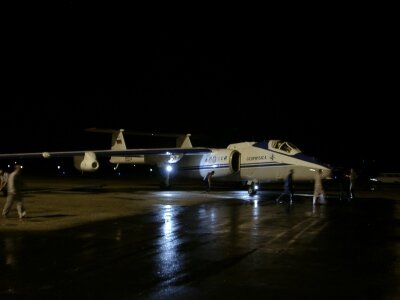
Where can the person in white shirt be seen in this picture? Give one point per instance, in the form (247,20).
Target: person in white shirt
(14,191)
(319,193)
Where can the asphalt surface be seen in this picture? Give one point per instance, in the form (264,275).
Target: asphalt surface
(119,239)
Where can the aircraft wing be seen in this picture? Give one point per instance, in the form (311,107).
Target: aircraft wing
(105,153)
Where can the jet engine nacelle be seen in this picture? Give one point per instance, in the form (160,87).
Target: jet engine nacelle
(87,162)
(223,162)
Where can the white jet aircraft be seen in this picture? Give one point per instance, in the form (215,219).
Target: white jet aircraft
(248,162)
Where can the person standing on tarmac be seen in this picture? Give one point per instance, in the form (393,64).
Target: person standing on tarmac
(352,179)
(3,182)
(319,193)
(288,187)
(208,179)
(14,190)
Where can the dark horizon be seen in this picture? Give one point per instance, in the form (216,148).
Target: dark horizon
(335,132)
(332,98)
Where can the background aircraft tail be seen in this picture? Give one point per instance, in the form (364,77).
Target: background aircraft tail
(117,140)
(183,141)
(118,143)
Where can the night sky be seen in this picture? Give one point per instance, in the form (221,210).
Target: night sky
(69,67)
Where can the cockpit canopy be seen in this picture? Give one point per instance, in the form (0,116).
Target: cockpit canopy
(283,146)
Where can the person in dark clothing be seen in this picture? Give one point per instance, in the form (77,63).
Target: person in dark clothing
(287,187)
(3,182)
(208,179)
(352,181)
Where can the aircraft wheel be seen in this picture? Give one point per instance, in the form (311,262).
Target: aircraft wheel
(252,189)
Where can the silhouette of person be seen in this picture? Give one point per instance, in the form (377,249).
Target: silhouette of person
(208,179)
(287,187)
(343,185)
(319,193)
(3,181)
(352,181)
(14,189)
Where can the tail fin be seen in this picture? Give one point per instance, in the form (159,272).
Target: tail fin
(183,141)
(118,141)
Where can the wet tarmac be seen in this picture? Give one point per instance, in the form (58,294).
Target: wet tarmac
(123,240)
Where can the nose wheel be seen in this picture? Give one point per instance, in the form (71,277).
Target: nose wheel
(252,189)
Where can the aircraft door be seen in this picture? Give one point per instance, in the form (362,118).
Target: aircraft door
(235,162)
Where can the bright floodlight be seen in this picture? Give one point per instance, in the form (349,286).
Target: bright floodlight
(168,168)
